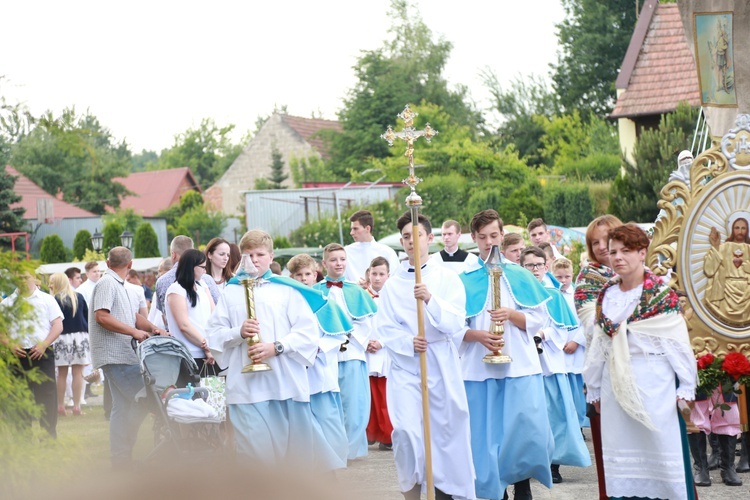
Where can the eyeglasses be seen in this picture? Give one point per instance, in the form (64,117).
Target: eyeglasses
(532,267)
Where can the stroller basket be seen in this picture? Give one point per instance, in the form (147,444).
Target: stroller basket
(167,368)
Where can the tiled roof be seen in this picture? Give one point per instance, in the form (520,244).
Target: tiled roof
(308,127)
(30,193)
(658,71)
(156,190)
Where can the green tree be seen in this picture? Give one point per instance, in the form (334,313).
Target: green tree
(308,169)
(568,204)
(146,243)
(593,40)
(407,69)
(190,200)
(518,106)
(18,402)
(634,194)
(11,219)
(112,231)
(81,243)
(208,151)
(74,155)
(143,160)
(444,196)
(127,219)
(277,175)
(582,150)
(15,123)
(53,250)
(201,224)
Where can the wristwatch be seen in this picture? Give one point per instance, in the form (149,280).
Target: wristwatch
(278,347)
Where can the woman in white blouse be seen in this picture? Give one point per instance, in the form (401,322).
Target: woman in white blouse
(189,305)
(639,351)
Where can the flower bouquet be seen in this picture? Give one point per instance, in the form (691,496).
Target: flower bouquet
(725,373)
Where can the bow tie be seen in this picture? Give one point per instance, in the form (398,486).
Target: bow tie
(330,283)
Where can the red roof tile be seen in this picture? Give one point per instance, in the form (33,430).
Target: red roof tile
(30,193)
(664,73)
(157,189)
(308,128)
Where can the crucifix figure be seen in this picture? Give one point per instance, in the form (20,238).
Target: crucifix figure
(410,134)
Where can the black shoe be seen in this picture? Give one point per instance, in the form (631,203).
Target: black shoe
(744,464)
(727,444)
(385,447)
(370,443)
(697,442)
(441,495)
(522,490)
(713,458)
(556,477)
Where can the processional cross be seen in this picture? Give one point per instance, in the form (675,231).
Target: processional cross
(410,134)
(414,201)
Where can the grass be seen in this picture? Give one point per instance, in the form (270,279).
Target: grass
(80,453)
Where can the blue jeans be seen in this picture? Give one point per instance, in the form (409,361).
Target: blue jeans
(124,383)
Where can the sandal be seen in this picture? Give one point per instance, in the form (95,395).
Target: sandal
(77,412)
(61,411)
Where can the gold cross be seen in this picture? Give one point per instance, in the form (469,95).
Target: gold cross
(410,134)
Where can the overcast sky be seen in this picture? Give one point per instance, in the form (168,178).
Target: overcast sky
(150,70)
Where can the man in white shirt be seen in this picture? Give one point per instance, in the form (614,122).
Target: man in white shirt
(93,273)
(31,342)
(451,256)
(359,254)
(539,233)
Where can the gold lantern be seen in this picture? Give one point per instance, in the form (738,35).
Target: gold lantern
(495,270)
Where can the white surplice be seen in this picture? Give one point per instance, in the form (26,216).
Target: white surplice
(449,413)
(359,255)
(284,316)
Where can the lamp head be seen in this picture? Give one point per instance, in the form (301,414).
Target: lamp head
(493,260)
(246,268)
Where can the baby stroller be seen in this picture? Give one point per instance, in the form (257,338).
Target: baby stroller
(171,376)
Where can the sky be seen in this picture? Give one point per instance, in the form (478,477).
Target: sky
(149,70)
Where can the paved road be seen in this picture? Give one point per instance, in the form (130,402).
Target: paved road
(374,478)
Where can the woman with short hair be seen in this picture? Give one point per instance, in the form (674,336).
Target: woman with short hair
(639,352)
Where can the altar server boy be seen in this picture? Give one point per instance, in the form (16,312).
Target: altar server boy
(511,438)
(443,298)
(354,381)
(561,321)
(330,444)
(269,410)
(379,429)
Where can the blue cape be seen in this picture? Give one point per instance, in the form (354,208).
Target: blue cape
(524,287)
(559,310)
(331,319)
(358,301)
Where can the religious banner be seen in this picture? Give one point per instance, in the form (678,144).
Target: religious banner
(702,242)
(717,33)
(714,57)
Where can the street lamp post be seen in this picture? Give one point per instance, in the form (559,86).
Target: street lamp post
(126,238)
(97,240)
